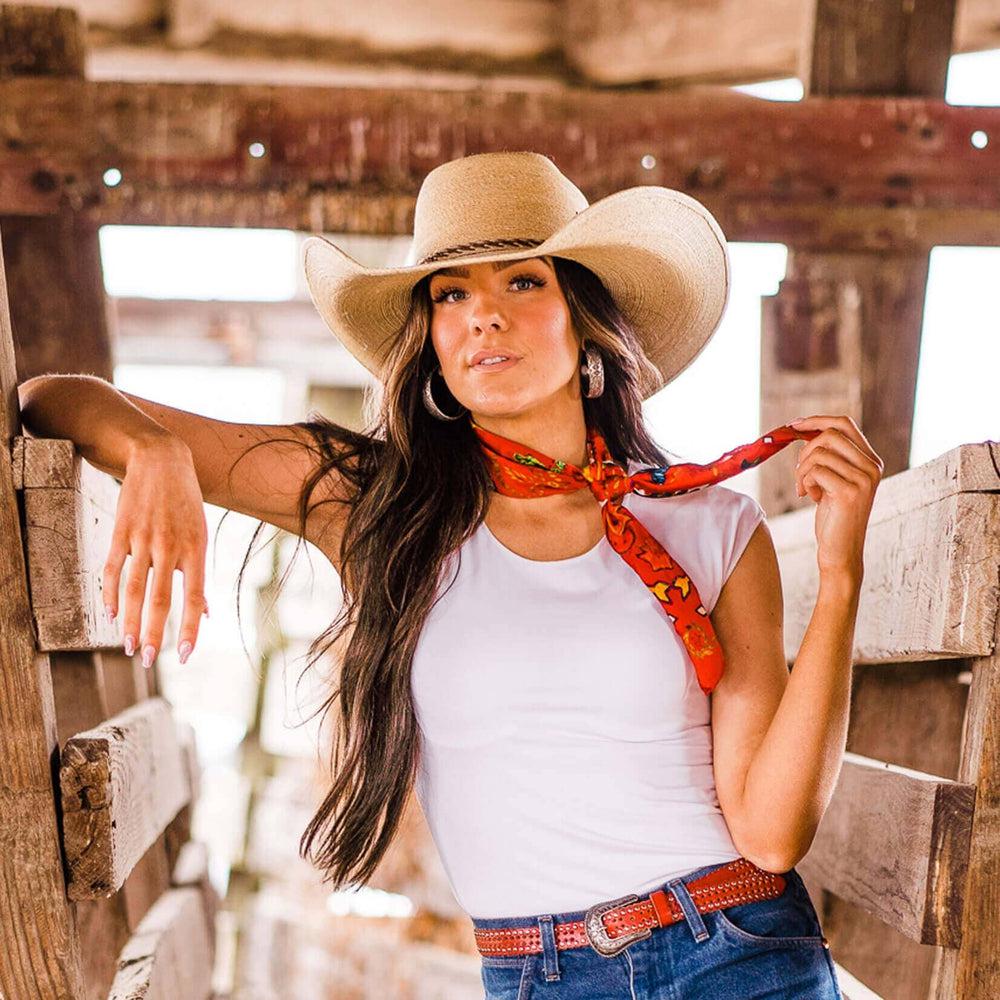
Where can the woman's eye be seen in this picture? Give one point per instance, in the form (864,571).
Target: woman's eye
(532,281)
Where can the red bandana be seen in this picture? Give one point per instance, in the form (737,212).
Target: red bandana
(519,471)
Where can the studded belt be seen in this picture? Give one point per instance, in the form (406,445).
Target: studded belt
(609,927)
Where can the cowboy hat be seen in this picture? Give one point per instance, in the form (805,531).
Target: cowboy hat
(659,252)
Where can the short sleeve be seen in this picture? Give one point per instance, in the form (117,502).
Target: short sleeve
(744,513)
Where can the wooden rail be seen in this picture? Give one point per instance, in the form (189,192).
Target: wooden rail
(931,588)
(121,783)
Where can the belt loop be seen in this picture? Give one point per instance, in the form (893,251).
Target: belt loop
(549,950)
(693,914)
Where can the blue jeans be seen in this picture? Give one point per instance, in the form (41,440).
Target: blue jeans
(770,948)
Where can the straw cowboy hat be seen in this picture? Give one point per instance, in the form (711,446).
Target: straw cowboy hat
(659,252)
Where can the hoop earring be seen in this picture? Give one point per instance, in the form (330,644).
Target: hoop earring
(593,369)
(432,408)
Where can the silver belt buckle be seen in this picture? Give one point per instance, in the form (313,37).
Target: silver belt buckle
(597,933)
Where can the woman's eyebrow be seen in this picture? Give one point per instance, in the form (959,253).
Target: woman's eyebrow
(497,265)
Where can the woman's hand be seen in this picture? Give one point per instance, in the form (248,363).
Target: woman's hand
(840,470)
(160,523)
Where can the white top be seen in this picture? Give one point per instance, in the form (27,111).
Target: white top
(566,750)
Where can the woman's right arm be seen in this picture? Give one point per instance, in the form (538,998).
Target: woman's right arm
(168,460)
(109,426)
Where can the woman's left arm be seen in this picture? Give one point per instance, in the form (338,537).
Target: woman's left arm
(779,738)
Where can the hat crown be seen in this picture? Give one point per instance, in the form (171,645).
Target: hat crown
(491,201)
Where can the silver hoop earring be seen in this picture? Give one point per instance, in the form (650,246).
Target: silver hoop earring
(432,408)
(593,369)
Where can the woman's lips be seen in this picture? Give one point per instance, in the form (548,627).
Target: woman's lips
(499,366)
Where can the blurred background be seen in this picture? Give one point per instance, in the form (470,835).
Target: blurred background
(213,316)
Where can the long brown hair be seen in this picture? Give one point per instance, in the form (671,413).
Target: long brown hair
(418,488)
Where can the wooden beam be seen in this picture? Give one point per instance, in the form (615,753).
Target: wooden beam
(909,873)
(830,173)
(169,955)
(932,562)
(721,41)
(122,783)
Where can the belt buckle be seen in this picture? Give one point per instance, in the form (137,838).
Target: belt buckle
(597,933)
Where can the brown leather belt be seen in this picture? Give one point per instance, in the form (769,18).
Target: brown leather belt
(611,926)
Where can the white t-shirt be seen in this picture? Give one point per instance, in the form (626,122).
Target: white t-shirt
(566,748)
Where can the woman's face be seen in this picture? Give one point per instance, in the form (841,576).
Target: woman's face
(514,310)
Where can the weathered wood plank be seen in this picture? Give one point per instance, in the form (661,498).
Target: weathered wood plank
(169,955)
(824,173)
(910,873)
(931,587)
(70,516)
(39,943)
(122,783)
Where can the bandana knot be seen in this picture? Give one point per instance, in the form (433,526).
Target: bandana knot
(520,471)
(607,481)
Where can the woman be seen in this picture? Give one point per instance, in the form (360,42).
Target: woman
(609,830)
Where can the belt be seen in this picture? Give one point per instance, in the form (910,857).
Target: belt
(609,927)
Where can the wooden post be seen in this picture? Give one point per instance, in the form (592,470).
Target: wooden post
(55,281)
(39,944)
(842,335)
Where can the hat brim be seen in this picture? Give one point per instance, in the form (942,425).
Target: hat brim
(659,252)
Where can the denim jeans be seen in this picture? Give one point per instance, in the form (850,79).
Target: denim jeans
(771,948)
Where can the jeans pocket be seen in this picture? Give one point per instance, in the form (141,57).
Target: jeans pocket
(507,977)
(789,919)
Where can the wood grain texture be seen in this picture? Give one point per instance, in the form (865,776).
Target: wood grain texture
(122,782)
(169,956)
(919,600)
(909,872)
(845,173)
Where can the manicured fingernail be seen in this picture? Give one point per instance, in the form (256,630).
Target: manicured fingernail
(110,612)
(797,420)
(148,652)
(129,645)
(184,649)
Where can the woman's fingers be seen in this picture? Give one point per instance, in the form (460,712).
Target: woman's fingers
(135,592)
(843,426)
(111,575)
(159,605)
(849,476)
(194,604)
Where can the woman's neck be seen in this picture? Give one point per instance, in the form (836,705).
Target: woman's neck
(560,435)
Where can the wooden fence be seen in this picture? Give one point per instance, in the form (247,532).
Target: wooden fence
(905,867)
(103,894)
